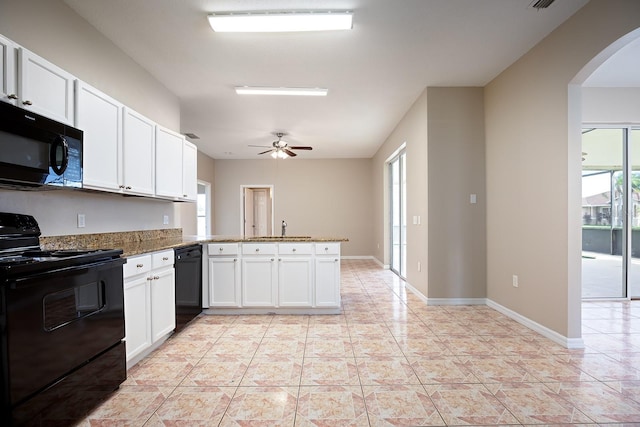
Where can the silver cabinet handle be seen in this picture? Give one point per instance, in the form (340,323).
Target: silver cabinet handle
(27,102)
(164,258)
(149,278)
(139,265)
(272,259)
(326,249)
(156,277)
(335,260)
(257,249)
(294,249)
(12,96)
(127,188)
(120,186)
(220,249)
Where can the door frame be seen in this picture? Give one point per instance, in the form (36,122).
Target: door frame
(271,198)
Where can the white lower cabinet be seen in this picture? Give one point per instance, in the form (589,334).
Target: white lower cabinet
(295,275)
(259,275)
(224,275)
(149,301)
(274,275)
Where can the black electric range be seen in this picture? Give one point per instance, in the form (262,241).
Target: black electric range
(62,348)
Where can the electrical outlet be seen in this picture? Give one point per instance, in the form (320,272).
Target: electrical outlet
(515,281)
(165,219)
(81,221)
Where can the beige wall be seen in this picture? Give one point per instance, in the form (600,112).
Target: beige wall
(412,131)
(444,136)
(456,169)
(315,197)
(533,119)
(52,30)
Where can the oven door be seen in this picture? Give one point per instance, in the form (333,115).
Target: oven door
(58,320)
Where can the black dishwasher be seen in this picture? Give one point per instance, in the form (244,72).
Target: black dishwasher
(188,265)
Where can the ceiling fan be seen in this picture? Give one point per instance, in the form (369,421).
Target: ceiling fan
(281,149)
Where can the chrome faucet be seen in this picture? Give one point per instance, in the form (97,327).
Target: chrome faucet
(284,228)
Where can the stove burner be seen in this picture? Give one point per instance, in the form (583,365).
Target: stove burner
(57,253)
(15,260)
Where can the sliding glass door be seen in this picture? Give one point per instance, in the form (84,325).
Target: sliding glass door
(610,212)
(398,193)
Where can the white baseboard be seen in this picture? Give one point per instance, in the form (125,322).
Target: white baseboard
(542,330)
(456,301)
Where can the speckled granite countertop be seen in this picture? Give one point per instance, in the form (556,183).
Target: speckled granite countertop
(139,242)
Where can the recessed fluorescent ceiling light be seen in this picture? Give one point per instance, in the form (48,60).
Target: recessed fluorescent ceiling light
(276,22)
(295,91)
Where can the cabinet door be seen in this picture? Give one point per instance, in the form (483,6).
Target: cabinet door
(294,282)
(137,316)
(327,282)
(7,71)
(224,282)
(100,117)
(189,172)
(259,282)
(138,153)
(168,163)
(45,88)
(163,303)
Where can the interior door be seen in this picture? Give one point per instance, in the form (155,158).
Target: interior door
(260,212)
(249,222)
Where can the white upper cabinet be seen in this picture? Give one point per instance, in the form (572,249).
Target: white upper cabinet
(100,117)
(7,71)
(189,172)
(45,88)
(138,154)
(168,164)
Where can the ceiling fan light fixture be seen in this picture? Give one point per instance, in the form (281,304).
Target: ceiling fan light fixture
(278,22)
(285,91)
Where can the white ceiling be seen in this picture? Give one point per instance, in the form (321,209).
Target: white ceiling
(373,72)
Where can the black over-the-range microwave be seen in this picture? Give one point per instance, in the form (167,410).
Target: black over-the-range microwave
(37,152)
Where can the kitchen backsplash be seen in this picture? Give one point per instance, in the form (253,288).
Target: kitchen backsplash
(107,240)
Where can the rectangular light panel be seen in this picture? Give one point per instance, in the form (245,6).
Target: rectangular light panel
(287,91)
(265,22)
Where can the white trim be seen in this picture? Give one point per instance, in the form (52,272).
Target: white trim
(271,310)
(456,301)
(416,292)
(570,343)
(357,257)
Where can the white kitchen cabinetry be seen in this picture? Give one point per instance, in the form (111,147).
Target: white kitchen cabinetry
(45,88)
(138,154)
(100,117)
(137,305)
(149,302)
(224,275)
(295,275)
(163,294)
(189,172)
(327,275)
(169,163)
(259,275)
(8,92)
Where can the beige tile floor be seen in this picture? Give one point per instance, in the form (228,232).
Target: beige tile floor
(387,360)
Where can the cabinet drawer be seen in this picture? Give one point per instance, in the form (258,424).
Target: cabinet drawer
(328,248)
(136,265)
(258,249)
(295,249)
(222,249)
(162,259)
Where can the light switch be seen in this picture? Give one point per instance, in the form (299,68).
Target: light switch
(473,199)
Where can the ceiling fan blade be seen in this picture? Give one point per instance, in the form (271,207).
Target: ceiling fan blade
(299,147)
(261,146)
(265,152)
(289,152)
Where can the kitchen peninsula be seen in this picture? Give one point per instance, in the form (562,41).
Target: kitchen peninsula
(243,275)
